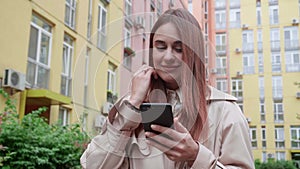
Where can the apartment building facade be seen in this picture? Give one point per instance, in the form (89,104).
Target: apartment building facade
(257,60)
(62,55)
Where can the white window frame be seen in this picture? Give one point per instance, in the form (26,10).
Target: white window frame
(263,138)
(296,130)
(89,24)
(253,137)
(111,80)
(86,74)
(260,63)
(248,63)
(277,86)
(221,84)
(221,42)
(262,111)
(67,68)
(264,157)
(238,91)
(291,38)
(220,19)
(36,62)
(101,40)
(221,65)
(128,7)
(278,112)
(274,16)
(280,155)
(65,115)
(235,18)
(261,85)
(276,62)
(235,3)
(275,39)
(259,40)
(70,15)
(292,61)
(279,137)
(190,6)
(258,16)
(220,4)
(248,40)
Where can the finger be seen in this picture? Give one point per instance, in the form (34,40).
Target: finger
(167,131)
(179,127)
(162,143)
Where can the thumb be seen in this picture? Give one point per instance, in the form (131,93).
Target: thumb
(178,126)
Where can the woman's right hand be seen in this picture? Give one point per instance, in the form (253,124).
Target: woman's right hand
(140,85)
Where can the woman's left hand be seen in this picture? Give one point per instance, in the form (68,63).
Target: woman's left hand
(182,147)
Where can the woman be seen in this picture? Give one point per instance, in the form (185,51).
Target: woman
(209,131)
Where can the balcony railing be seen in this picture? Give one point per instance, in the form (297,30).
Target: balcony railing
(276,67)
(235,4)
(248,70)
(293,67)
(221,71)
(273,2)
(220,5)
(235,24)
(248,47)
(275,45)
(220,25)
(291,44)
(221,49)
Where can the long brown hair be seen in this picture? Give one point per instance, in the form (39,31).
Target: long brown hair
(193,83)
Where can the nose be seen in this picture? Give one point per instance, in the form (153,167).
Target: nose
(169,56)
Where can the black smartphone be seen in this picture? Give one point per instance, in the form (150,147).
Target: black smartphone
(156,113)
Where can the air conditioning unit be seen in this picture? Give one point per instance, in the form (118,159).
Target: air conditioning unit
(99,120)
(244,26)
(298,95)
(140,22)
(106,107)
(214,70)
(239,73)
(295,21)
(13,79)
(237,50)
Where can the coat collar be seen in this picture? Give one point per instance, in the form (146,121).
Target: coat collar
(216,94)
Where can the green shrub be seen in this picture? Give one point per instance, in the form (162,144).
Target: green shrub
(32,143)
(271,164)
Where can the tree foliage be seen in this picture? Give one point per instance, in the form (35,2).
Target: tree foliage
(271,164)
(33,143)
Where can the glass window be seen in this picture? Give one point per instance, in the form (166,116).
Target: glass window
(111,78)
(101,44)
(222,85)
(253,137)
(70,13)
(292,61)
(274,14)
(65,87)
(39,53)
(220,19)
(279,137)
(277,86)
(237,88)
(295,137)
(248,63)
(263,137)
(64,116)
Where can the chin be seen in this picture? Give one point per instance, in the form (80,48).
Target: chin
(169,79)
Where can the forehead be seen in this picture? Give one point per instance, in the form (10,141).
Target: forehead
(167,31)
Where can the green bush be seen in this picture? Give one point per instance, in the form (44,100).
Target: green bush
(32,143)
(271,164)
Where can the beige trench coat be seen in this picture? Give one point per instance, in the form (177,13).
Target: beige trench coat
(228,144)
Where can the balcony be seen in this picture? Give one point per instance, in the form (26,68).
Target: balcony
(277,93)
(221,50)
(275,45)
(235,24)
(235,4)
(248,70)
(220,25)
(220,5)
(273,2)
(221,71)
(293,67)
(291,44)
(276,67)
(248,47)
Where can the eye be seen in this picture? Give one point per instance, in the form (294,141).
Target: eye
(178,49)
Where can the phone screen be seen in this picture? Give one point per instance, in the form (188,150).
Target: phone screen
(156,113)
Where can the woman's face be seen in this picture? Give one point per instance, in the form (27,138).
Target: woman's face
(167,54)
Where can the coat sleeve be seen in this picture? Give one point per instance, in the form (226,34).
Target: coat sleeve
(235,151)
(107,150)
